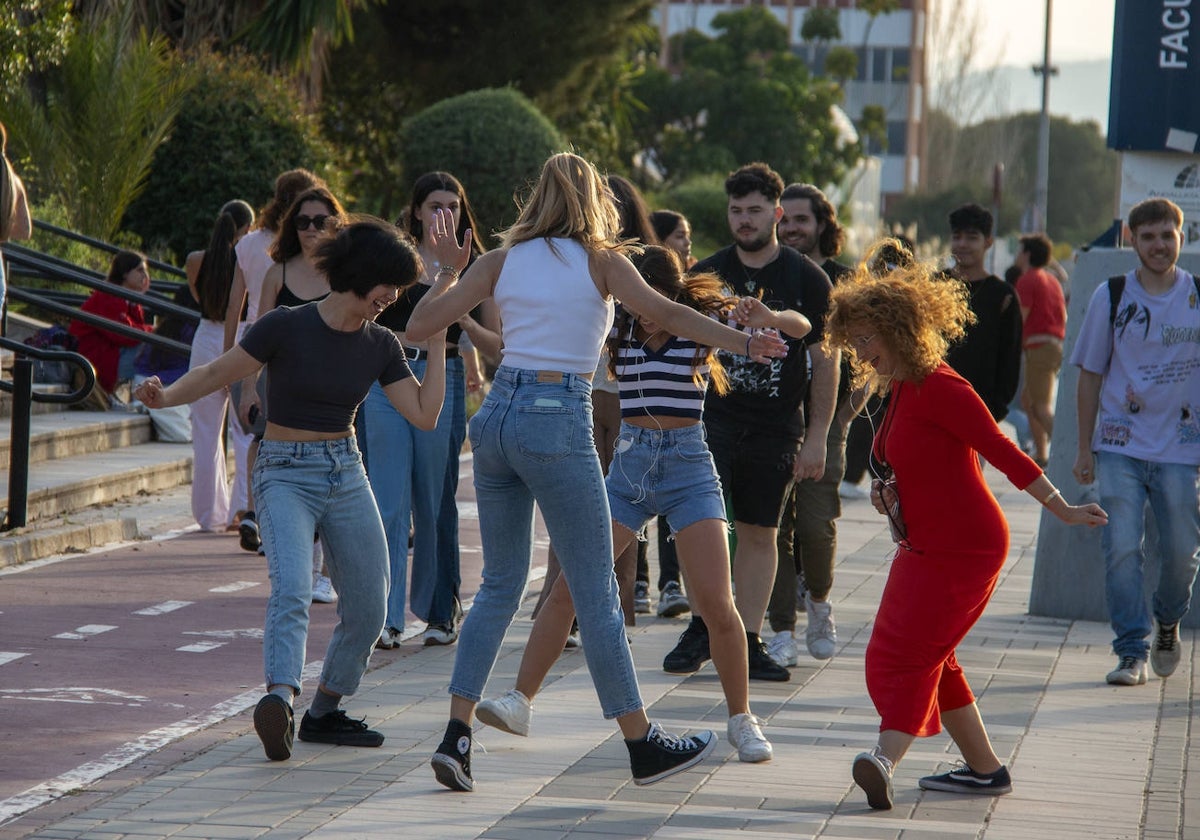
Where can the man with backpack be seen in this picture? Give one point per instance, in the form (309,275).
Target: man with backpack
(1139,435)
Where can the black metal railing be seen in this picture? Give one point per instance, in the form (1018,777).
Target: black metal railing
(24,397)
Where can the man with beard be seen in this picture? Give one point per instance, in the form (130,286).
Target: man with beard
(755,430)
(989,356)
(807,539)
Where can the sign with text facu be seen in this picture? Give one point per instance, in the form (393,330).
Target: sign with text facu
(1154,103)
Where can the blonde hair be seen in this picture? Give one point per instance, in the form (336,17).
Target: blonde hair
(914,310)
(569,201)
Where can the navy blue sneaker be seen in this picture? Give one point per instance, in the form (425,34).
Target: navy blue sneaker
(962,779)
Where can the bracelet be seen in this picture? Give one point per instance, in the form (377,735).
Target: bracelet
(749,337)
(447,269)
(1050,498)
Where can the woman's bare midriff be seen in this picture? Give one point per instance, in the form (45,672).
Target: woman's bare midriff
(661,422)
(276,432)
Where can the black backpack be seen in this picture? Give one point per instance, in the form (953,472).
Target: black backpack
(1116,286)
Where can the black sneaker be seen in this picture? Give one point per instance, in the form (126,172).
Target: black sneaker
(691,651)
(276,726)
(660,755)
(337,728)
(248,534)
(963,779)
(452,761)
(762,666)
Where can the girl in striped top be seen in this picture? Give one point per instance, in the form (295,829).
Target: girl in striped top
(661,465)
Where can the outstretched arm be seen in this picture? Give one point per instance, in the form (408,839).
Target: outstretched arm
(198,382)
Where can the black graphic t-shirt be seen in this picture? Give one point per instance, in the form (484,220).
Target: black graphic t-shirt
(768,396)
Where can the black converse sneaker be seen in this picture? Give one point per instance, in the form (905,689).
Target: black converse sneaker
(275,725)
(660,755)
(452,761)
(963,779)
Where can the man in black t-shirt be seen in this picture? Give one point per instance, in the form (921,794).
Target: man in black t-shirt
(755,430)
(989,356)
(807,541)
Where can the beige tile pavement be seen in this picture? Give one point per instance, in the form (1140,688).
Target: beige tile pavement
(1088,760)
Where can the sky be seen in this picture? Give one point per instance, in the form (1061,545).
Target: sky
(1080,31)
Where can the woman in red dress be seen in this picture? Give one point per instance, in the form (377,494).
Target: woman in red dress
(952,534)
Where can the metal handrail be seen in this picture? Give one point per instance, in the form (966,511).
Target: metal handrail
(23,399)
(102,246)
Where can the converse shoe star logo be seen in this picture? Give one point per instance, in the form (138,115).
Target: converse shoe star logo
(464,745)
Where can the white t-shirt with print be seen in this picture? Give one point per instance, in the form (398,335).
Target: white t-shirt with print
(1150,361)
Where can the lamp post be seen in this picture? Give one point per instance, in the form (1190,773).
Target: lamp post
(1045,70)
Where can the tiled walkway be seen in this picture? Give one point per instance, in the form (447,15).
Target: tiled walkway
(1088,760)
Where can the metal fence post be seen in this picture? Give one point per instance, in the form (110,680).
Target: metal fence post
(18,458)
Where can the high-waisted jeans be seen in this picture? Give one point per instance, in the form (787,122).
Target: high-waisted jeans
(532,441)
(320,486)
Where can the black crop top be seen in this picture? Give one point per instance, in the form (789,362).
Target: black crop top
(316,375)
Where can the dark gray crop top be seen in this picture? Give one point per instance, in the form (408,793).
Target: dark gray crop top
(316,375)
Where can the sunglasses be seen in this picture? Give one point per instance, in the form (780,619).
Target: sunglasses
(318,222)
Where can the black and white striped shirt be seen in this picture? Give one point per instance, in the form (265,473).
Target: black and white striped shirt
(659,382)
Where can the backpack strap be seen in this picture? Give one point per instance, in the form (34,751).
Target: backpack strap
(1116,287)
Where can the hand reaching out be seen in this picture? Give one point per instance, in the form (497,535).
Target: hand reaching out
(150,393)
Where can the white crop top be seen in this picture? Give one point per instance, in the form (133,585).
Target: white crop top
(553,315)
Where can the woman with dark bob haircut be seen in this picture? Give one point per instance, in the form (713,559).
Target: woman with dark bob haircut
(321,359)
(951,533)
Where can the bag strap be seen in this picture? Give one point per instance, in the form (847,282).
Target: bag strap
(1116,287)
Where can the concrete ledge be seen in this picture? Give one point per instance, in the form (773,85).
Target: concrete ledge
(24,545)
(64,434)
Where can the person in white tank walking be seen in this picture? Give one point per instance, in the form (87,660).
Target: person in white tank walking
(554,280)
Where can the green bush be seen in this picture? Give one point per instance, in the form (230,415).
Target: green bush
(239,127)
(701,198)
(493,140)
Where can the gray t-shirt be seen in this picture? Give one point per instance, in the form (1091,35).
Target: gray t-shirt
(316,375)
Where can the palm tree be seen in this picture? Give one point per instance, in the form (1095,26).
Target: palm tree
(90,136)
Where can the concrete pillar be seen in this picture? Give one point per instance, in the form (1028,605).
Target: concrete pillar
(1068,572)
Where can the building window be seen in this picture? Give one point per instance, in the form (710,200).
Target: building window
(901,64)
(897,137)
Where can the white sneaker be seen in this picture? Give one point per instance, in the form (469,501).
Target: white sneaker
(782,648)
(511,711)
(821,635)
(641,597)
(1129,671)
(389,638)
(672,601)
(745,734)
(853,491)
(323,591)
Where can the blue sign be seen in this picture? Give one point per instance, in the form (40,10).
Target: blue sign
(1154,104)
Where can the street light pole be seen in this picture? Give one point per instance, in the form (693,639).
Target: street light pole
(1045,70)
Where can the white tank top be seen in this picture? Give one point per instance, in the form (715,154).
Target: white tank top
(553,315)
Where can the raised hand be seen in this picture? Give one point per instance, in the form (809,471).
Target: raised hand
(444,241)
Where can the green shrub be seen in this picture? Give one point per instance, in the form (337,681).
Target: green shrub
(493,140)
(239,127)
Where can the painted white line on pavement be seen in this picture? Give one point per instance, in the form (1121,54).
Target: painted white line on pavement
(164,607)
(75,694)
(126,754)
(200,647)
(243,633)
(6,657)
(85,631)
(235,587)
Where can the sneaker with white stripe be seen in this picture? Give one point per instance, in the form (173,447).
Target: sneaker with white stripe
(963,779)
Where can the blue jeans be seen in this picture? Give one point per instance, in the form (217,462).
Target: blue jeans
(303,488)
(532,441)
(408,469)
(441,593)
(668,473)
(1126,485)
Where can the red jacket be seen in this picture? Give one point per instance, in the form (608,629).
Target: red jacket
(101,347)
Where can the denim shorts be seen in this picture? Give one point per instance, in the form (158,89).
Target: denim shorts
(668,473)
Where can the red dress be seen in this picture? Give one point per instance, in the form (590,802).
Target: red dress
(938,587)
(101,347)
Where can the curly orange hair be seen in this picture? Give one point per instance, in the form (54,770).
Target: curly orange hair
(915,310)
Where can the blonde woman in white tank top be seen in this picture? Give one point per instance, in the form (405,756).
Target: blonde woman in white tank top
(554,280)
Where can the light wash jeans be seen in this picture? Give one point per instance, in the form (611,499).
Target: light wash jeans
(435,594)
(532,441)
(300,489)
(1126,485)
(408,469)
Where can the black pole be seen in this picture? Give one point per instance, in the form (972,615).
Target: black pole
(18,457)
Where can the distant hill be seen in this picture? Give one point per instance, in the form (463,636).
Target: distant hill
(1079,91)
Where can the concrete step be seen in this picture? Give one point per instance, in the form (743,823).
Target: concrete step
(64,485)
(63,434)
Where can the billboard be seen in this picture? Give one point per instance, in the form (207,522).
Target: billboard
(1154,104)
(1164,175)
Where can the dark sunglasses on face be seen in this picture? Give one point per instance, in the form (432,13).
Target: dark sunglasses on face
(318,222)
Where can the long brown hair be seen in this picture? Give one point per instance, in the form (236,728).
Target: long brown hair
(662,269)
